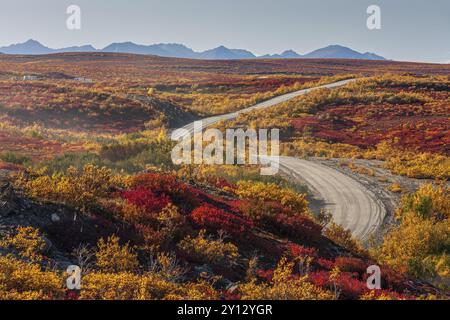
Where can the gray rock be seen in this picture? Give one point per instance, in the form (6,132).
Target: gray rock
(8,199)
(55,218)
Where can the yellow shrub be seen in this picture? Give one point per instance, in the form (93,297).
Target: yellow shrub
(342,237)
(283,287)
(410,246)
(26,241)
(149,286)
(272,192)
(124,286)
(208,250)
(421,165)
(24,281)
(80,189)
(112,257)
(428,201)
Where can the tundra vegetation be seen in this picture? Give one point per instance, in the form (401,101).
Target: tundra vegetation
(91,181)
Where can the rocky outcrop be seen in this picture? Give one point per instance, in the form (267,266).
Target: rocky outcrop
(8,199)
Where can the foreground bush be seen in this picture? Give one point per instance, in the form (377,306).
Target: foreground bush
(207,250)
(20,280)
(283,286)
(112,257)
(418,246)
(272,192)
(78,188)
(128,286)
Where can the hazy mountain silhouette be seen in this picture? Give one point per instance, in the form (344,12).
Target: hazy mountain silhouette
(340,52)
(175,50)
(87,48)
(29,47)
(288,54)
(222,53)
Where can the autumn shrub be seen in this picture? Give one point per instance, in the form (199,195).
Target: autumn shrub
(284,285)
(384,295)
(166,265)
(179,193)
(428,201)
(214,219)
(59,164)
(346,285)
(172,224)
(342,237)
(297,227)
(271,192)
(148,286)
(418,247)
(20,280)
(349,264)
(26,241)
(231,174)
(262,212)
(111,257)
(147,200)
(124,286)
(80,189)
(420,165)
(207,250)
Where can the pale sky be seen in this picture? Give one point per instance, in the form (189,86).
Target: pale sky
(412,30)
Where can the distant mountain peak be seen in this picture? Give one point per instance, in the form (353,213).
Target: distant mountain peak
(32,41)
(336,51)
(177,50)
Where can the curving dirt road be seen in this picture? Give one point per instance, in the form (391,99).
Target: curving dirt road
(352,205)
(206,122)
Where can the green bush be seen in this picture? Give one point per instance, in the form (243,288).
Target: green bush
(15,158)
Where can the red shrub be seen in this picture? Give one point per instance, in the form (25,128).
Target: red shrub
(299,227)
(265,274)
(352,265)
(180,193)
(325,263)
(391,279)
(216,219)
(349,287)
(147,199)
(72,295)
(295,250)
(220,183)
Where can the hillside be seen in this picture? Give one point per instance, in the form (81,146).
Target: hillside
(213,239)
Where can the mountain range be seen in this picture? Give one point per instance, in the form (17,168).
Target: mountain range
(175,50)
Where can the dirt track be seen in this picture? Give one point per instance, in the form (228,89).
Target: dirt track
(351,204)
